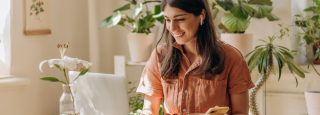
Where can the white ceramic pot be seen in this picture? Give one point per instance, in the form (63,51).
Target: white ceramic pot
(140,46)
(313,102)
(243,42)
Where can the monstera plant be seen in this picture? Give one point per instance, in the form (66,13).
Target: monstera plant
(237,15)
(262,57)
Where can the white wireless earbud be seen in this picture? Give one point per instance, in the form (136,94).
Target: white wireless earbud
(201,17)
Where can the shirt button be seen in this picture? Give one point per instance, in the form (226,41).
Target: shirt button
(186,91)
(198,61)
(184,110)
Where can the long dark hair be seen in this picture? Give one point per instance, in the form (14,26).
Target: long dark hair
(208,44)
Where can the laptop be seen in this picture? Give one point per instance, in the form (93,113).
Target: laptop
(101,94)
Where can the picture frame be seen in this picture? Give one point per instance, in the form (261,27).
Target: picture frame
(37,17)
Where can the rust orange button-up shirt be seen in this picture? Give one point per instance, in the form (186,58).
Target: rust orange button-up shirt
(190,93)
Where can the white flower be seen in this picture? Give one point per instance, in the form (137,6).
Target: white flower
(66,62)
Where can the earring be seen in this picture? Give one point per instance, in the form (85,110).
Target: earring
(201,17)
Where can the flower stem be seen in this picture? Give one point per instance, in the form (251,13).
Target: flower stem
(65,75)
(74,110)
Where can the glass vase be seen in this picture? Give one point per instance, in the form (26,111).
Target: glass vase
(68,100)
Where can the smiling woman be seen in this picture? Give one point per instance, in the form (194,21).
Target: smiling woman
(193,61)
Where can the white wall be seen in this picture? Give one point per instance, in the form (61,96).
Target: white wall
(69,23)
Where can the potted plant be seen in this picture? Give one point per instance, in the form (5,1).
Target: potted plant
(236,20)
(262,57)
(140,39)
(311,34)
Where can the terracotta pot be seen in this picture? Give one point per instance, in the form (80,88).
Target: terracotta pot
(140,46)
(243,42)
(313,102)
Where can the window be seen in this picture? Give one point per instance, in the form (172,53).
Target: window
(5,37)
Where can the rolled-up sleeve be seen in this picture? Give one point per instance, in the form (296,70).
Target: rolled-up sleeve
(240,78)
(150,82)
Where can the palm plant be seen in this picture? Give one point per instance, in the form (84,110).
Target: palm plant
(262,56)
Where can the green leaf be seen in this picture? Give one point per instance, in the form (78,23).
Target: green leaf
(240,11)
(121,23)
(258,16)
(136,11)
(317,2)
(265,61)
(130,20)
(233,23)
(311,9)
(297,15)
(309,24)
(157,9)
(158,14)
(224,29)
(280,65)
(261,2)
(52,79)
(297,69)
(111,21)
(83,72)
(255,58)
(315,17)
(123,8)
(306,38)
(149,21)
(315,56)
(58,66)
(285,49)
(226,5)
(263,41)
(286,60)
(261,9)
(30,13)
(272,17)
(261,60)
(249,53)
(296,81)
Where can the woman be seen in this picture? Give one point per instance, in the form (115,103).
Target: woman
(193,71)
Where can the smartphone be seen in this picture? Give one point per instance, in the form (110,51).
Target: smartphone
(218,111)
